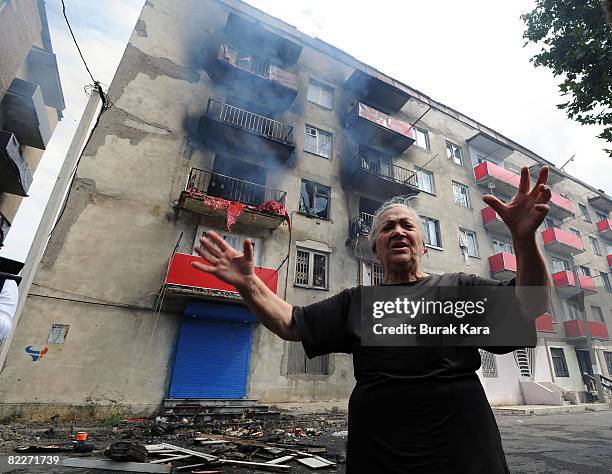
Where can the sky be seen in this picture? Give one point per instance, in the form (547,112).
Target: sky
(467,55)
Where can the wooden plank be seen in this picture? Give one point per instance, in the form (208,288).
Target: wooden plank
(198,454)
(85,463)
(313,463)
(257,465)
(191,466)
(281,460)
(175,458)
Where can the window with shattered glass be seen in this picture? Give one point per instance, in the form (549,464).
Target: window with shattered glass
(453,152)
(314,199)
(317,141)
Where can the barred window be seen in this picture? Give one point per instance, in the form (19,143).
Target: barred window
(461,194)
(318,142)
(488,364)
(299,364)
(559,363)
(371,273)
(311,269)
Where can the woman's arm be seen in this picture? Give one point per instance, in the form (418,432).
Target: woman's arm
(523,215)
(237,269)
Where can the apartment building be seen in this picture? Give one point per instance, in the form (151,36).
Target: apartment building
(31,104)
(226,118)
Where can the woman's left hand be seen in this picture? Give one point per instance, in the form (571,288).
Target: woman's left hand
(527,210)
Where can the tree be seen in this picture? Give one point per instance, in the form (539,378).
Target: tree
(577,46)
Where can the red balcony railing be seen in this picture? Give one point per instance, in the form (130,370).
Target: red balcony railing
(561,206)
(502,265)
(565,284)
(575,328)
(561,241)
(604,227)
(544,323)
(182,275)
(379,129)
(610,260)
(492,221)
(505,181)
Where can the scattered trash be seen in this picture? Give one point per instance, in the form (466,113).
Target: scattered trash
(341,434)
(126,451)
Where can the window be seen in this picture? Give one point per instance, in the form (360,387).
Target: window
(584,270)
(321,94)
(558,359)
(236,241)
(551,222)
(58,333)
(597,314)
(311,269)
(608,249)
(500,246)
(318,142)
(431,231)
(488,364)
(595,245)
(299,364)
(461,194)
(425,181)
(601,216)
(585,212)
(605,280)
(608,357)
(467,240)
(573,312)
(576,232)
(314,199)
(453,152)
(422,137)
(371,273)
(559,265)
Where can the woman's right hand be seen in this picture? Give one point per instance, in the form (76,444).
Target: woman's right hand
(224,262)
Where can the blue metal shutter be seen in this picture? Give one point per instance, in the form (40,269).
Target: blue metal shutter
(212,358)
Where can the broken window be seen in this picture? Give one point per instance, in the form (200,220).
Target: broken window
(314,199)
(461,194)
(299,364)
(318,141)
(311,269)
(453,152)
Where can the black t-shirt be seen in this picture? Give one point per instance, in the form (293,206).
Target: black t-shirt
(413,409)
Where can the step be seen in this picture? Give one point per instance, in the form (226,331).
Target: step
(209,402)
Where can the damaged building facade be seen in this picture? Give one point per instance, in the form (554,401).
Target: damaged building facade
(31,105)
(226,118)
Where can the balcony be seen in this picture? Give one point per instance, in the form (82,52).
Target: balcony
(359,230)
(561,241)
(564,283)
(41,68)
(15,177)
(609,257)
(379,92)
(23,113)
(560,207)
(502,266)
(604,228)
(240,201)
(555,175)
(268,41)
(275,86)
(601,202)
(574,328)
(490,146)
(232,127)
(492,222)
(491,176)
(184,280)
(381,177)
(378,129)
(544,323)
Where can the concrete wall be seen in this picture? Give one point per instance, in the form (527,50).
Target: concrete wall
(109,252)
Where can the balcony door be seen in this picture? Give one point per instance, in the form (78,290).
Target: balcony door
(237,180)
(584,361)
(500,246)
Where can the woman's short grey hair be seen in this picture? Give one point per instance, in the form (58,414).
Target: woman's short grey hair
(395,201)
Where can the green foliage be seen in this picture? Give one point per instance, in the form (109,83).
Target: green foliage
(577,46)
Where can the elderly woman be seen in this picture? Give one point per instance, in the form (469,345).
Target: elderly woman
(413,409)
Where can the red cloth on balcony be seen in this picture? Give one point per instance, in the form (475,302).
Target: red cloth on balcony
(234,208)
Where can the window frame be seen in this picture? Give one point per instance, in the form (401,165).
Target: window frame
(431,179)
(595,245)
(559,355)
(597,316)
(605,278)
(504,243)
(569,315)
(320,86)
(463,231)
(319,132)
(586,217)
(375,274)
(311,254)
(467,194)
(601,216)
(295,351)
(426,233)
(449,150)
(316,193)
(257,241)
(425,133)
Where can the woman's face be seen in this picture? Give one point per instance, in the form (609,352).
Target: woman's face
(399,240)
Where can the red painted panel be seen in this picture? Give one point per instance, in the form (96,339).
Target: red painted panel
(487,169)
(386,121)
(489,215)
(604,225)
(575,328)
(562,202)
(502,261)
(610,260)
(586,283)
(544,323)
(180,272)
(563,237)
(563,278)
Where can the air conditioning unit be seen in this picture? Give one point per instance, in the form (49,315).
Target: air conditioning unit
(15,177)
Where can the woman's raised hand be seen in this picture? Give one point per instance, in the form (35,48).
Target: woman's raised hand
(527,210)
(224,262)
